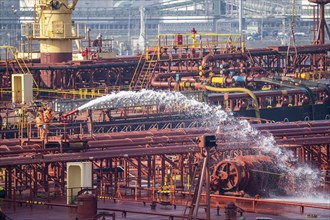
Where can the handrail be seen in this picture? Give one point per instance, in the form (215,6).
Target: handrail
(201,40)
(267,201)
(151,60)
(135,75)
(24,69)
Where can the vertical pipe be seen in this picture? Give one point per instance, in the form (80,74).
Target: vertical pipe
(101,188)
(15,179)
(117,184)
(207,183)
(63,177)
(111,176)
(139,175)
(142,36)
(9,182)
(322,24)
(181,171)
(44,175)
(163,170)
(149,172)
(154,176)
(303,155)
(191,159)
(90,116)
(328,153)
(21,178)
(35,179)
(298,149)
(240,16)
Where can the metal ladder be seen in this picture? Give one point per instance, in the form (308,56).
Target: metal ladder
(144,72)
(200,180)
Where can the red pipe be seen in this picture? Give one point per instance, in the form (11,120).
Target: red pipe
(66,115)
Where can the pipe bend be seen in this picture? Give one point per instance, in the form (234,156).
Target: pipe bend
(206,59)
(249,92)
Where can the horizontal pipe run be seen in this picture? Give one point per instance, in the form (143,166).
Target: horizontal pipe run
(141,141)
(94,155)
(265,201)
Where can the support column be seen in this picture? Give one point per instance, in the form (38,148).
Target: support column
(190,168)
(182,171)
(8,182)
(303,154)
(139,177)
(44,177)
(111,173)
(309,155)
(90,124)
(125,174)
(34,178)
(328,161)
(149,172)
(163,170)
(63,177)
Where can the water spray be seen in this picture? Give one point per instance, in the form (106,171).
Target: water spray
(213,117)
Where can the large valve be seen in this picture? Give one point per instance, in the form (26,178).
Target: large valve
(250,175)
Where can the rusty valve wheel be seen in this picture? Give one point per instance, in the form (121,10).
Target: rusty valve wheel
(226,176)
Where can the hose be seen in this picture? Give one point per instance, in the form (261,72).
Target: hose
(244,90)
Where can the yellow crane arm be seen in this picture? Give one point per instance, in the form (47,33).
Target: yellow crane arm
(72,6)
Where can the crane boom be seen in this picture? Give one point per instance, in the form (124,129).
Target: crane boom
(72,6)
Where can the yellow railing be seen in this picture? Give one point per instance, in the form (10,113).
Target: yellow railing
(5,90)
(151,66)
(250,55)
(200,40)
(23,68)
(83,93)
(135,73)
(62,30)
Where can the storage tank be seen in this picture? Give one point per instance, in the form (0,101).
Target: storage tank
(87,206)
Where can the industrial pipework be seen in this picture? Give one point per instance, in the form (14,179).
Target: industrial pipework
(65,116)
(214,89)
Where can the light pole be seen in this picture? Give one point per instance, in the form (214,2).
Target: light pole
(87,11)
(240,16)
(129,31)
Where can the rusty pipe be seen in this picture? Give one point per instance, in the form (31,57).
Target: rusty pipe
(154,83)
(66,115)
(206,59)
(140,141)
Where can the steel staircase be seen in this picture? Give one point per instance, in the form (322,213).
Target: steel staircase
(144,72)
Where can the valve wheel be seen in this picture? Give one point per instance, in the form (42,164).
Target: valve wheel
(228,175)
